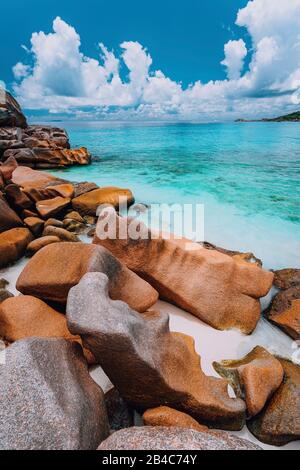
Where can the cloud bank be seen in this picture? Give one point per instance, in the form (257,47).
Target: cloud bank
(62,79)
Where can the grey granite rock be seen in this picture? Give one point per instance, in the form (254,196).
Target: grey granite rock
(148,364)
(48,400)
(161,438)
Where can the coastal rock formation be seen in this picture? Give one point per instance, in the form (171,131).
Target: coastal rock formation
(25,316)
(279,422)
(162,438)
(221,291)
(88,203)
(10,111)
(148,364)
(168,417)
(287,278)
(254,378)
(39,243)
(52,272)
(33,179)
(13,244)
(43,158)
(8,218)
(48,399)
(249,257)
(120,414)
(50,207)
(4,294)
(284,311)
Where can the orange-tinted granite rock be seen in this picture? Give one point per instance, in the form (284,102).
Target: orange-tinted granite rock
(221,291)
(50,207)
(284,311)
(168,417)
(148,364)
(287,278)
(40,243)
(17,198)
(61,233)
(45,157)
(8,218)
(249,257)
(35,225)
(163,438)
(88,203)
(56,268)
(25,316)
(279,422)
(254,378)
(13,244)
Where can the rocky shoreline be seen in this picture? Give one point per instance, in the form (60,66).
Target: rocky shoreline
(82,304)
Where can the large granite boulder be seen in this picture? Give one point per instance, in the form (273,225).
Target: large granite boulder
(284,311)
(222,291)
(148,364)
(120,414)
(255,378)
(48,401)
(13,245)
(10,111)
(88,203)
(8,217)
(164,438)
(279,422)
(52,272)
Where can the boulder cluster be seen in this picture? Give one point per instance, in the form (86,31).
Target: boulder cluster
(35,146)
(84,304)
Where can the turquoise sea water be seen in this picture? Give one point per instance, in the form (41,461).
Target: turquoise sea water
(247,176)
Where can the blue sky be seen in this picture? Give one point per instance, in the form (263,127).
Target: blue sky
(191,60)
(186,39)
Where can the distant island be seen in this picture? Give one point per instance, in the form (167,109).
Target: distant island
(293,117)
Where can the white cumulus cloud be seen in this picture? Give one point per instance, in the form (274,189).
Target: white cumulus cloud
(61,78)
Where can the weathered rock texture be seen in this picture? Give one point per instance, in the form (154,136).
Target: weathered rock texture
(88,203)
(287,278)
(168,417)
(162,438)
(279,422)
(52,272)
(254,378)
(147,364)
(40,147)
(8,218)
(10,111)
(13,244)
(120,414)
(40,243)
(218,289)
(284,311)
(48,400)
(249,257)
(25,316)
